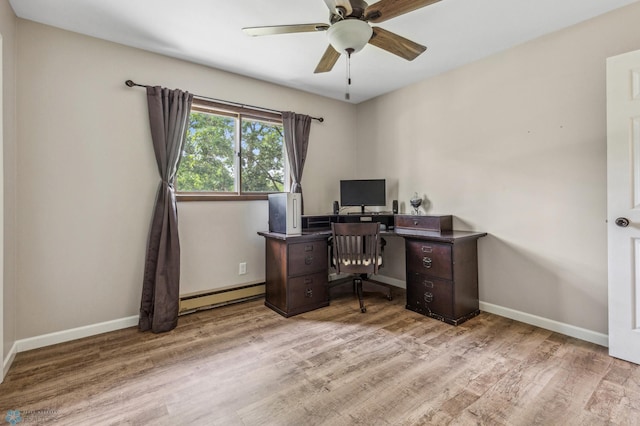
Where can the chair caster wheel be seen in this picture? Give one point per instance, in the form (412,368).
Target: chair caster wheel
(363,310)
(389,298)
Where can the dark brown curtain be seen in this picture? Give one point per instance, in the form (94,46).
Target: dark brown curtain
(168,117)
(296,138)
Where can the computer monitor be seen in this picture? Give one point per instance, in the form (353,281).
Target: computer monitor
(363,192)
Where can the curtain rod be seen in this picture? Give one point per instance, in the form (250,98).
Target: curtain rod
(320,119)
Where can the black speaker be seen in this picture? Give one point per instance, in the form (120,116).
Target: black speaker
(394,207)
(336,207)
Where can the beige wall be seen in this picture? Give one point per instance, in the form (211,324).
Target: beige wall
(87,178)
(8,187)
(515,145)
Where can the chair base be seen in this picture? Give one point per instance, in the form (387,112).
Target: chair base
(358,282)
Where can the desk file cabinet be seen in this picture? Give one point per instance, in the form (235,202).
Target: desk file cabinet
(442,278)
(441,266)
(296,273)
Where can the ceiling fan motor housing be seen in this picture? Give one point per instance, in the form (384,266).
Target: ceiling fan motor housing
(358,7)
(341,9)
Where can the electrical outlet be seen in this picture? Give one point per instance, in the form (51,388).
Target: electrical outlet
(243,268)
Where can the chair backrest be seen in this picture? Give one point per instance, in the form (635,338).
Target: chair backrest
(357,247)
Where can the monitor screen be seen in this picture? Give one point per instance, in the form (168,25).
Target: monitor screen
(363,192)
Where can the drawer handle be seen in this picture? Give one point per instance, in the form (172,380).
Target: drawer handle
(427,249)
(428,297)
(415,221)
(428,284)
(308,260)
(308,248)
(426,262)
(308,293)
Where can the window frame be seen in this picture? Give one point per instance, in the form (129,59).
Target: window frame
(239,112)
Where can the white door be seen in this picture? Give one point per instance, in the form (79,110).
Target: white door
(623,205)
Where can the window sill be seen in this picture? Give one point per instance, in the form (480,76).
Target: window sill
(191,196)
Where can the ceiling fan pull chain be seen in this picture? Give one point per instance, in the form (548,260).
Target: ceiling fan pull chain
(347,96)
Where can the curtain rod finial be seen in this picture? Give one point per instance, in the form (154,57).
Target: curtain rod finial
(129,83)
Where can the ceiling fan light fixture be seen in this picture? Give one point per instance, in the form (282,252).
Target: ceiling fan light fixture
(349,34)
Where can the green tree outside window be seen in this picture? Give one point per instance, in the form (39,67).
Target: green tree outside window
(214,142)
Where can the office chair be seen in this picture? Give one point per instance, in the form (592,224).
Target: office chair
(357,250)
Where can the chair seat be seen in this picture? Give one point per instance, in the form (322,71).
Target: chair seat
(350,262)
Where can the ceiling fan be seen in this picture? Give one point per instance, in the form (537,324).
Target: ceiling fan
(349,29)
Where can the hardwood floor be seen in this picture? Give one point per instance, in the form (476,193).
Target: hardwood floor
(246,365)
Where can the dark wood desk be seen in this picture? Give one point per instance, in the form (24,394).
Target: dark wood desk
(441,268)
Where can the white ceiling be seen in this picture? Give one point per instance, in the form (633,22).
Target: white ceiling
(208,32)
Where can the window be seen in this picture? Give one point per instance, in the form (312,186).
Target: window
(232,151)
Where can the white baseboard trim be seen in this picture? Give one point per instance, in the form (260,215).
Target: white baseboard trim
(74,333)
(9,360)
(547,324)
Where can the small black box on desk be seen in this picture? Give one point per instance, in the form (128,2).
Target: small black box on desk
(318,222)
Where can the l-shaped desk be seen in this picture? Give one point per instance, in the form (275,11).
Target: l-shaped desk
(441,265)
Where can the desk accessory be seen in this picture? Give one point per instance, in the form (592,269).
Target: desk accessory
(416,202)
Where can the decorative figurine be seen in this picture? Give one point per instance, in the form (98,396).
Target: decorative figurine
(416,202)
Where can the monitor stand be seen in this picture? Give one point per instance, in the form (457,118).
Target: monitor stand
(361,211)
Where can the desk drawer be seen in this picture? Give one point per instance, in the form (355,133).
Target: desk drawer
(306,258)
(308,290)
(428,295)
(426,257)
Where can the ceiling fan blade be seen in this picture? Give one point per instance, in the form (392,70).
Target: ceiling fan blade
(345,4)
(285,29)
(328,60)
(387,9)
(398,45)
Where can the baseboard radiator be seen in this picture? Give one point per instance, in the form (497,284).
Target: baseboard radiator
(222,297)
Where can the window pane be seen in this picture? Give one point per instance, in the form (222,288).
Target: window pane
(208,161)
(262,159)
